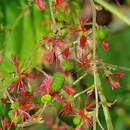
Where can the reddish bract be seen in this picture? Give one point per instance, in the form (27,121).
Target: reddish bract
(67,109)
(105,45)
(69,90)
(82,41)
(118,74)
(40,4)
(114,83)
(45,85)
(65,53)
(85,117)
(26,107)
(58,1)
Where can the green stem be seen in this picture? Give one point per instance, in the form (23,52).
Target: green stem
(75,82)
(51,12)
(104,105)
(114,11)
(94,56)
(111,66)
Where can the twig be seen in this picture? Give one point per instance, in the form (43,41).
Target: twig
(40,70)
(75,82)
(115,66)
(94,56)
(82,92)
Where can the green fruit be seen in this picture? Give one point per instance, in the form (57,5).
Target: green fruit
(58,80)
(67,64)
(101,33)
(14,105)
(77,120)
(46,98)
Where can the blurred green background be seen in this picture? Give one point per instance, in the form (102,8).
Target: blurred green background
(21,29)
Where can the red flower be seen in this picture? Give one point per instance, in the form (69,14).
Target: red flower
(114,83)
(26,107)
(5,124)
(82,41)
(65,53)
(56,42)
(45,85)
(66,73)
(69,90)
(67,109)
(58,1)
(83,114)
(40,4)
(49,57)
(118,74)
(105,45)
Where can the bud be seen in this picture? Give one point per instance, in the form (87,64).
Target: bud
(46,98)
(105,45)
(77,120)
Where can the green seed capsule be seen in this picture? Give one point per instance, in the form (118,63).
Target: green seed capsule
(46,98)
(58,80)
(77,120)
(101,33)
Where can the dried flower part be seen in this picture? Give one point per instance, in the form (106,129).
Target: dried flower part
(82,41)
(40,4)
(49,57)
(118,74)
(69,90)
(114,83)
(4,100)
(105,45)
(58,97)
(45,85)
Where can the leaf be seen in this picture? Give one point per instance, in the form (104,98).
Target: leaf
(58,81)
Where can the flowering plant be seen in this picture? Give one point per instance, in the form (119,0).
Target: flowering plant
(59,82)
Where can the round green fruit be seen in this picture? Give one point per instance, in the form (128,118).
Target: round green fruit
(46,98)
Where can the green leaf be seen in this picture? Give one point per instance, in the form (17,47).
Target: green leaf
(68,65)
(58,80)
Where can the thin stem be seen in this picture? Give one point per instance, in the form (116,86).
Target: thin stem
(42,109)
(94,56)
(75,82)
(114,11)
(44,73)
(104,105)
(51,12)
(115,66)
(82,92)
(29,123)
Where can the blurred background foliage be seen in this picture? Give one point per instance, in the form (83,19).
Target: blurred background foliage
(21,30)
